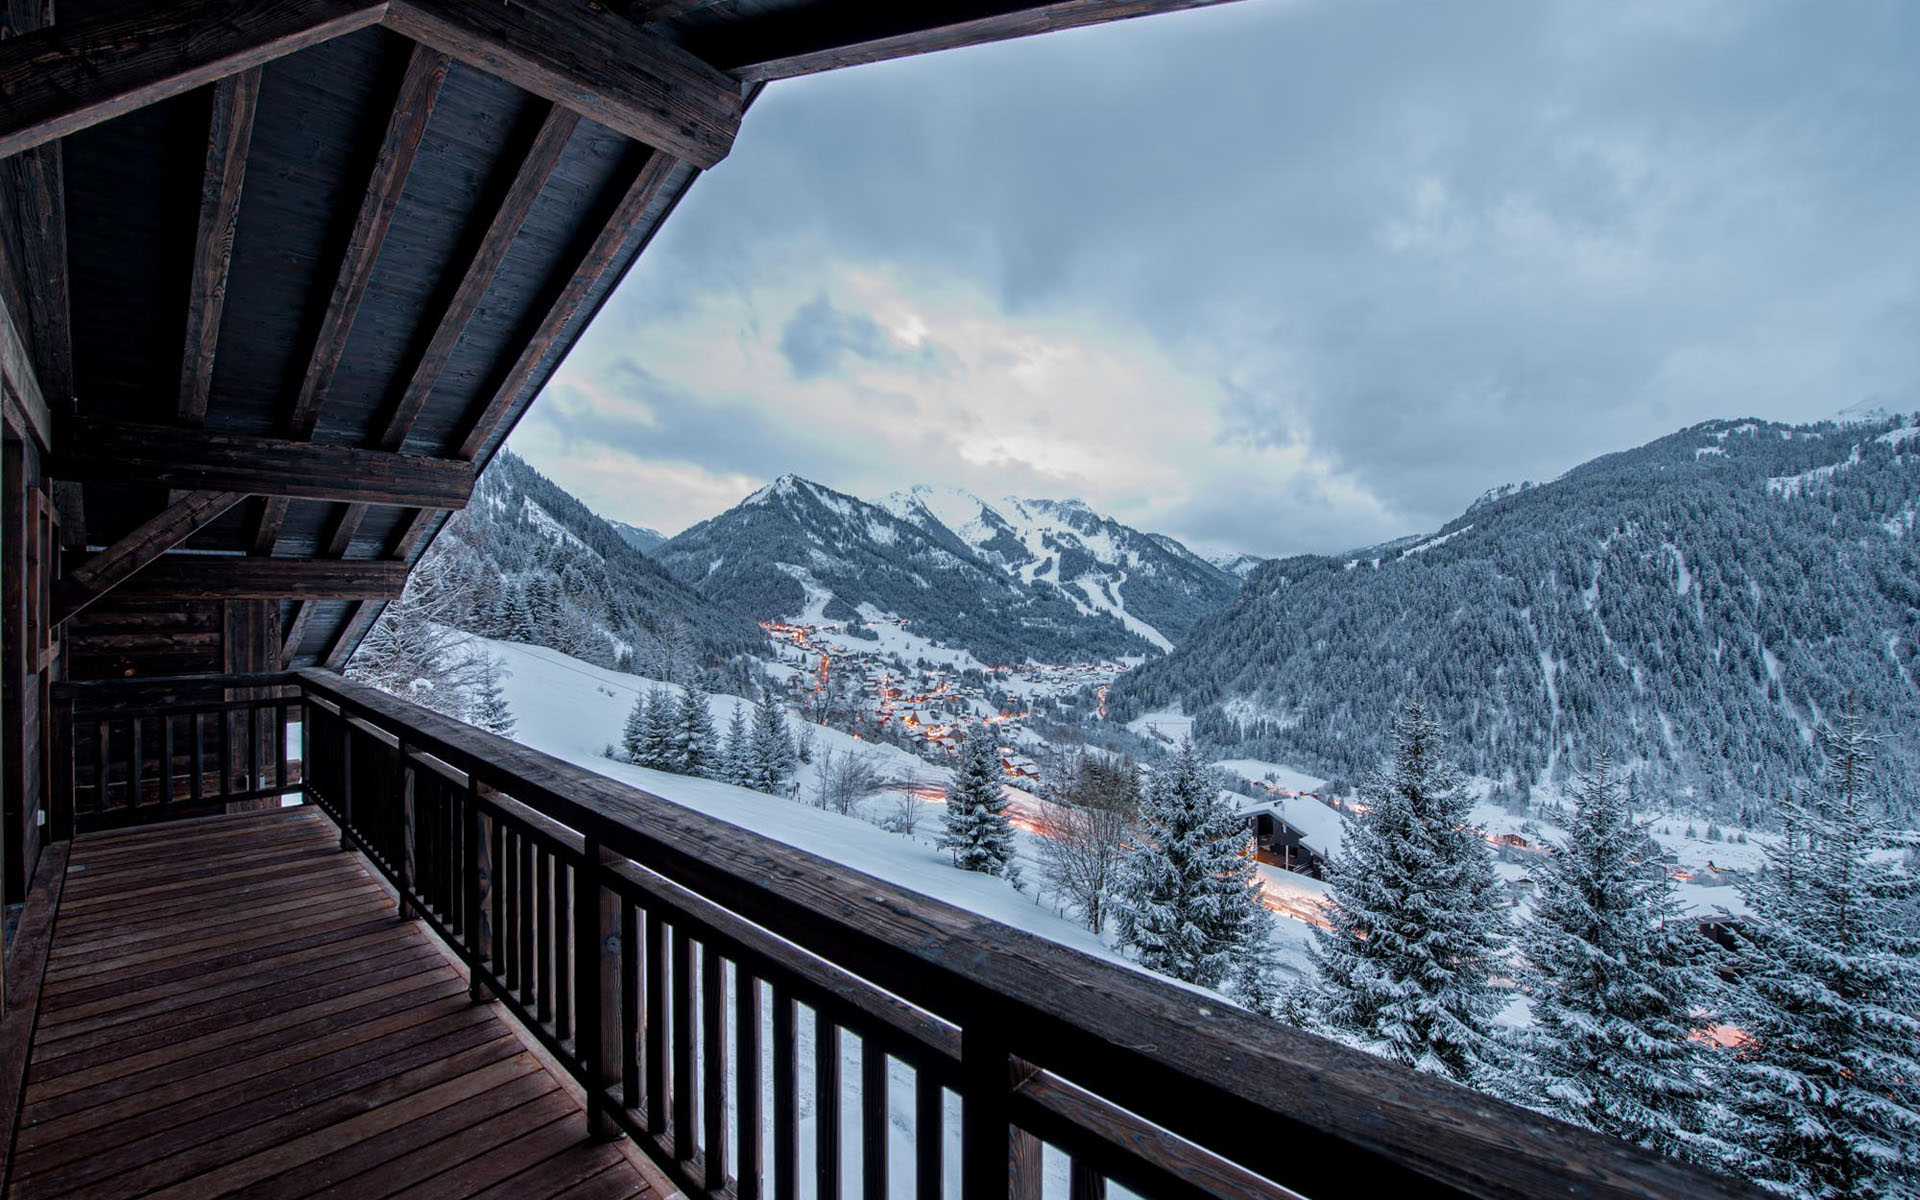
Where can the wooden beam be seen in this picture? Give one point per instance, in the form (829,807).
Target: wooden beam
(352,631)
(168,456)
(420,87)
(180,577)
(602,66)
(844,33)
(601,255)
(117,563)
(229,137)
(73,74)
(22,396)
(647,11)
(528,182)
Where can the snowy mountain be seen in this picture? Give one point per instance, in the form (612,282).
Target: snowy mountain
(797,550)
(640,537)
(1150,583)
(1697,607)
(527,561)
(1236,564)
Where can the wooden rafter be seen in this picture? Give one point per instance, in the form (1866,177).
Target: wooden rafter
(604,252)
(243,577)
(119,562)
(647,11)
(406,125)
(843,33)
(73,74)
(229,136)
(528,182)
(600,65)
(168,456)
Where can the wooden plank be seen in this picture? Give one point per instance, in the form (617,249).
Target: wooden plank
(70,75)
(116,564)
(600,65)
(167,456)
(605,251)
(26,959)
(25,403)
(406,125)
(647,11)
(542,156)
(229,137)
(242,577)
(843,33)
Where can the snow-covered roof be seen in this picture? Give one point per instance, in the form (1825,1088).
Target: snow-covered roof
(1321,827)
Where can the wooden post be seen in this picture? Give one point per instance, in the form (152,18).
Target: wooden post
(596,942)
(985,1158)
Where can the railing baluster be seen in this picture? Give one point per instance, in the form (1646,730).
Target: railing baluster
(565,966)
(546,962)
(166,760)
(786,1107)
(746,1083)
(655,1020)
(683,1035)
(254,783)
(929,1133)
(402,821)
(1023,1149)
(100,765)
(527,967)
(226,752)
(134,772)
(497,893)
(346,780)
(1086,1182)
(629,1004)
(873,1119)
(826,1105)
(280,746)
(983,1111)
(472,891)
(713,1064)
(587,942)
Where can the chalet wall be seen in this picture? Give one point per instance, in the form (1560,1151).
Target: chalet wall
(30,661)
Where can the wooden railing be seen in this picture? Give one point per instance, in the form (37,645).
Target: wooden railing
(715,991)
(159,749)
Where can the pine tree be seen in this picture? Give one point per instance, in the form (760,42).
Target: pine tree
(694,749)
(1615,977)
(976,828)
(770,756)
(658,748)
(490,710)
(736,752)
(1416,921)
(1826,1086)
(633,737)
(1189,902)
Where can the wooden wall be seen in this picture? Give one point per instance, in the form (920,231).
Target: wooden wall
(30,660)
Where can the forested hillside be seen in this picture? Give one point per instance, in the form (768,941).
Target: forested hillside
(529,562)
(1695,607)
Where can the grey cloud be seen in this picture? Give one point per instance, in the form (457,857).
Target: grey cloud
(1637,215)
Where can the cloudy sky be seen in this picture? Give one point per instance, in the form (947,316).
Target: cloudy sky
(1278,276)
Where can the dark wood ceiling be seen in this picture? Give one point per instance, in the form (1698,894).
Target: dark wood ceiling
(290,270)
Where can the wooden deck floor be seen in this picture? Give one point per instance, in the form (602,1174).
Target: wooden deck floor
(231,1005)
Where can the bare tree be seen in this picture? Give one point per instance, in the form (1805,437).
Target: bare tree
(904,815)
(415,652)
(845,779)
(1086,833)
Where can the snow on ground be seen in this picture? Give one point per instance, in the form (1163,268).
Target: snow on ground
(575,711)
(1278,774)
(1169,725)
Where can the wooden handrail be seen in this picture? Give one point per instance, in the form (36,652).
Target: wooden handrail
(1289,1107)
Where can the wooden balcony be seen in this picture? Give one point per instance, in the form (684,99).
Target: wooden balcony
(235,1003)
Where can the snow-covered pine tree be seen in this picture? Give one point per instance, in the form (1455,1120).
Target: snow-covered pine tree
(736,752)
(1416,921)
(490,710)
(1189,899)
(694,749)
(1615,978)
(658,745)
(633,736)
(1826,1087)
(770,756)
(976,829)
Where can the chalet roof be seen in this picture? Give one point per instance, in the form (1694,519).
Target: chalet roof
(290,272)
